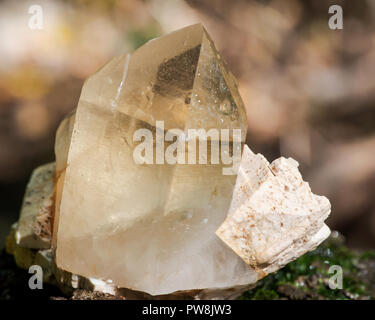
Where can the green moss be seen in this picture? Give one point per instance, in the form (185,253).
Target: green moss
(368,255)
(308,276)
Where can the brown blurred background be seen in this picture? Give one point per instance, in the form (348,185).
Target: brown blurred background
(308,90)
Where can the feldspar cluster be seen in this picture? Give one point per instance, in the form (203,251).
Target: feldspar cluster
(274,217)
(165,229)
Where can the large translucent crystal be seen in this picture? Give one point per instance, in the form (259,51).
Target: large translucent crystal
(148,227)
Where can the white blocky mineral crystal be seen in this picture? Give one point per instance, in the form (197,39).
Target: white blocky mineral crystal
(274,217)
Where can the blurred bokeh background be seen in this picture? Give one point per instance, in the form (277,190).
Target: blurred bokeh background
(308,90)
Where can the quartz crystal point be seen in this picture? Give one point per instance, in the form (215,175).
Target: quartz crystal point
(148,227)
(274,217)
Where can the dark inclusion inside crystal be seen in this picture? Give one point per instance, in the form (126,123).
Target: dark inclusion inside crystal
(175,78)
(177,74)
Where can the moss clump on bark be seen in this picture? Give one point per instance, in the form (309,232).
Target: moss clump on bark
(308,277)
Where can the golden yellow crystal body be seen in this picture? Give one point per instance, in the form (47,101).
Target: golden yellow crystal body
(148,227)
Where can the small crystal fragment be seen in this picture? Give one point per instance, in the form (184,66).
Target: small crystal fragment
(34,225)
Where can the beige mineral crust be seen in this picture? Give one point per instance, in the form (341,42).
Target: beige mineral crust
(274,217)
(34,226)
